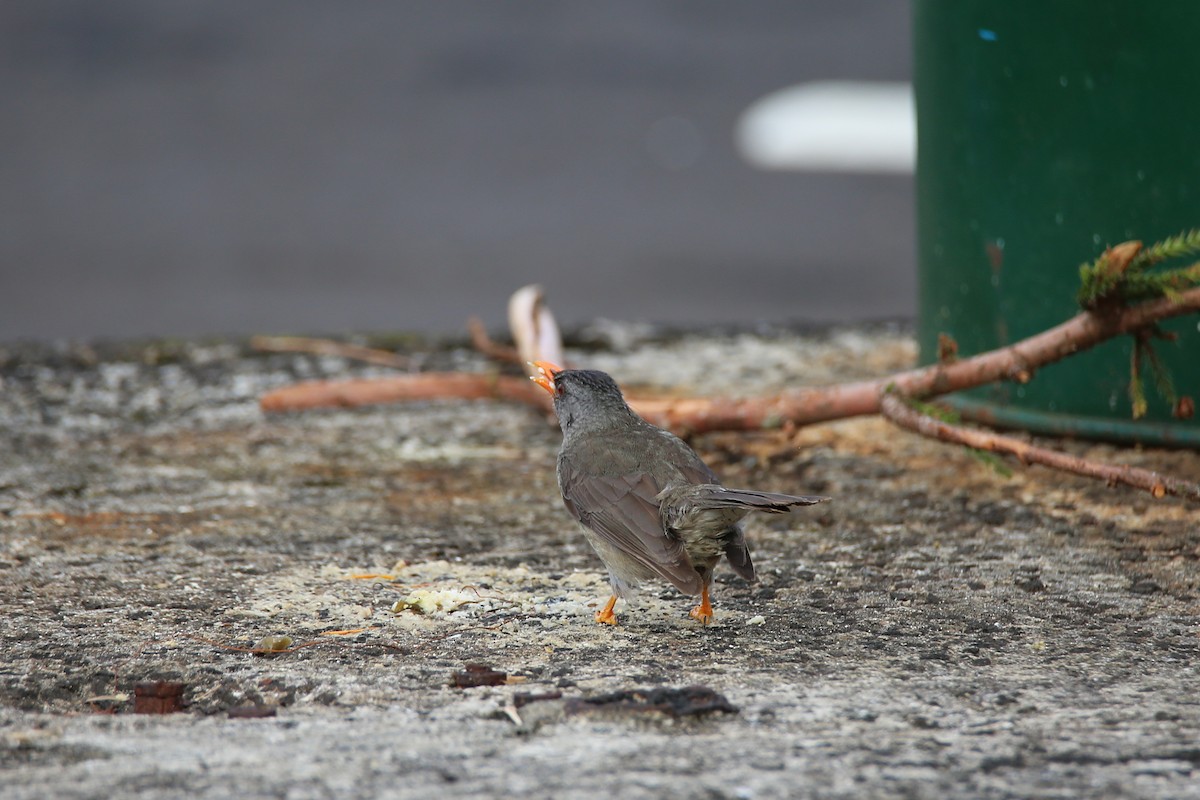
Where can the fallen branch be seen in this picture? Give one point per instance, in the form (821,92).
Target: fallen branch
(328,347)
(423,386)
(893,407)
(1017,362)
(693,415)
(535,330)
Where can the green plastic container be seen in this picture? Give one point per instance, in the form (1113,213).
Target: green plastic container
(1046,132)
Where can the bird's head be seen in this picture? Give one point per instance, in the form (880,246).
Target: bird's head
(583,398)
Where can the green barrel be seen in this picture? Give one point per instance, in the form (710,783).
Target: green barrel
(1048,130)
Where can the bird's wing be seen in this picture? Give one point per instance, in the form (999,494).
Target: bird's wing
(691,467)
(623,511)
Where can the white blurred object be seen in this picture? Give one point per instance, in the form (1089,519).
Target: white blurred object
(832,125)
(533,327)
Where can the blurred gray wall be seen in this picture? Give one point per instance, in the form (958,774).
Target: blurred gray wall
(191,167)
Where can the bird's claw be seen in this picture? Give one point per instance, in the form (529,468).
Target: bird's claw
(606,615)
(703,612)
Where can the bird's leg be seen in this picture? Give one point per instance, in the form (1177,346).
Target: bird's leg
(703,612)
(606,614)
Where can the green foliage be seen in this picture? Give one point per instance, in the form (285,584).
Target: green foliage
(1121,275)
(1137,392)
(1163,384)
(991,461)
(1186,243)
(940,413)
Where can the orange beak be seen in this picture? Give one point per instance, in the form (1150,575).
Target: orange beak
(544,376)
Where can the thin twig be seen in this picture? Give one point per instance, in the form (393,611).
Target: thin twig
(893,407)
(490,347)
(328,347)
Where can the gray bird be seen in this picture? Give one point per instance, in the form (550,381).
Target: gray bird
(649,506)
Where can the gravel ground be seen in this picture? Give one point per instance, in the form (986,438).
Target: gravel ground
(937,630)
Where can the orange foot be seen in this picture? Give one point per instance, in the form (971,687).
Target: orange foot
(704,611)
(606,615)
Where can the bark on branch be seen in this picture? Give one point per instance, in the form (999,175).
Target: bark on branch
(422,386)
(894,408)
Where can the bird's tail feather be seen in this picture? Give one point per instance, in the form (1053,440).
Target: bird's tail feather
(716,496)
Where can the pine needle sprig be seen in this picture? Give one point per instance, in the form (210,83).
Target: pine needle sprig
(1186,243)
(1121,275)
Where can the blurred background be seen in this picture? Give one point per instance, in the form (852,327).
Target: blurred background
(182,168)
